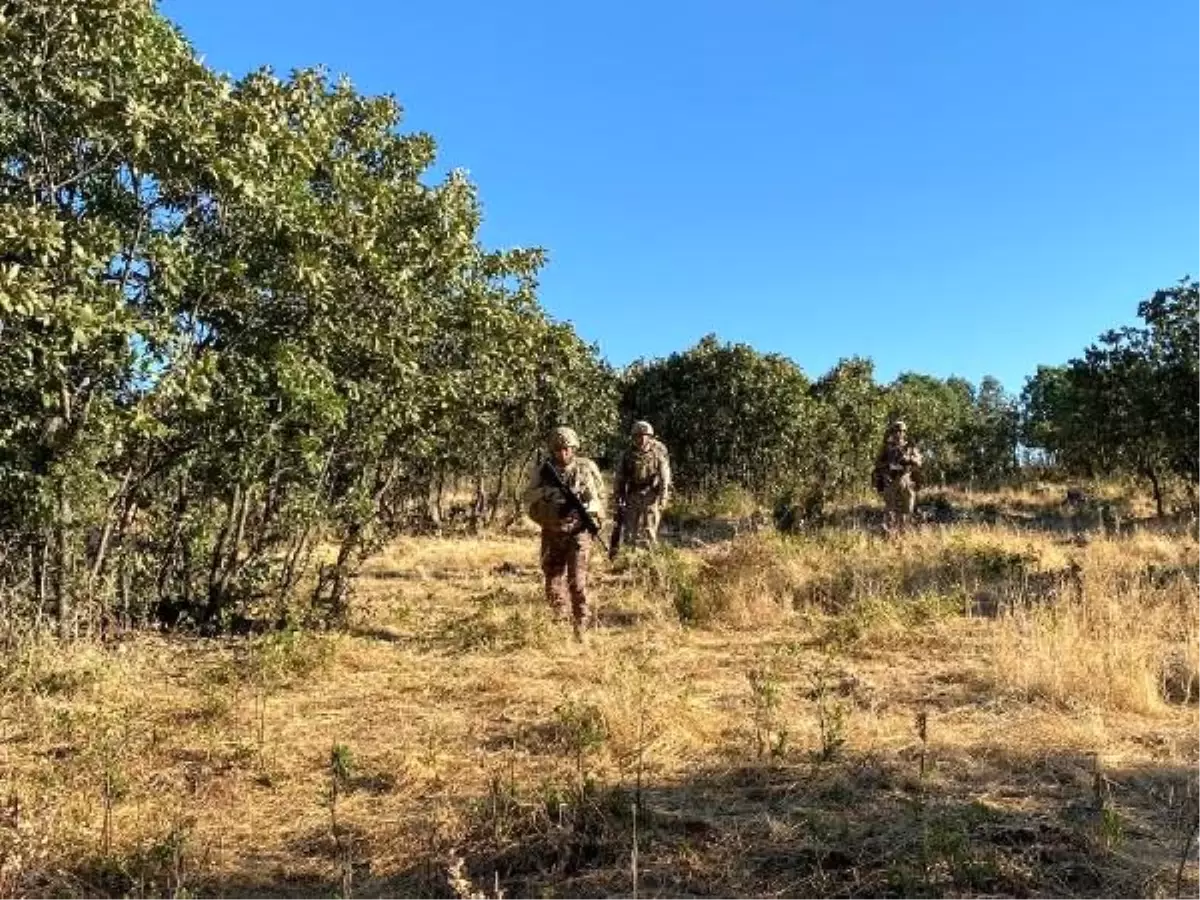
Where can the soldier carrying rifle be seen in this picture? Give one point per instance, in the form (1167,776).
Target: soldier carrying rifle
(642,488)
(565,496)
(894,477)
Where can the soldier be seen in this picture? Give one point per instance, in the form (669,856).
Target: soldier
(642,486)
(565,542)
(893,478)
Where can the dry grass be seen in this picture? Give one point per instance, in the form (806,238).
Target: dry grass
(774,746)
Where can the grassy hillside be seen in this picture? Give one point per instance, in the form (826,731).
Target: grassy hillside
(975,709)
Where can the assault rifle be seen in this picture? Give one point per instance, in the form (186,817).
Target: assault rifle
(614,543)
(573,503)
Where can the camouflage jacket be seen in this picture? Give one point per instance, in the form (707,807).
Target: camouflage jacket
(645,473)
(544,501)
(895,460)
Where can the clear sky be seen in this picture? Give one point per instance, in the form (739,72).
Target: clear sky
(962,187)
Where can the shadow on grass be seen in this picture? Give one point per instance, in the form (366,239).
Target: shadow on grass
(865,825)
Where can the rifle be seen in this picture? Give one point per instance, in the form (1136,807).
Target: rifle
(573,503)
(614,543)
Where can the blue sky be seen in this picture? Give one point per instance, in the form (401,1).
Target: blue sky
(961,187)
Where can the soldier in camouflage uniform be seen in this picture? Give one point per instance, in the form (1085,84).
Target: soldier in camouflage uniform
(895,468)
(565,542)
(643,486)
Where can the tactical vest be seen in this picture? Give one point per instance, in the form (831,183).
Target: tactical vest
(641,469)
(897,458)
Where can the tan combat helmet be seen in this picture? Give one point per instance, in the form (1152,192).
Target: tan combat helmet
(563,437)
(642,427)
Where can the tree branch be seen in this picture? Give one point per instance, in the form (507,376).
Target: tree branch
(137,235)
(84,173)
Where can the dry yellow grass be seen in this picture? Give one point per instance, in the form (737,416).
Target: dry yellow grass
(776,742)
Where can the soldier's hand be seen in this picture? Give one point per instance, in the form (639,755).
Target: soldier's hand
(569,523)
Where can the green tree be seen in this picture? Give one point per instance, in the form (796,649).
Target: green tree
(235,320)
(1171,342)
(849,421)
(729,414)
(987,440)
(937,413)
(1130,403)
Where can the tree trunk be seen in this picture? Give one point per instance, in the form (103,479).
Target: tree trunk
(110,516)
(43,578)
(216,585)
(439,511)
(124,593)
(292,566)
(334,582)
(63,565)
(239,535)
(479,504)
(497,496)
(1156,485)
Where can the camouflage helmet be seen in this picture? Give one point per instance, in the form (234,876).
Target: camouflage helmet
(897,425)
(642,427)
(563,437)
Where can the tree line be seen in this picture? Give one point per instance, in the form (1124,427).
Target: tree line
(732,415)
(1129,403)
(240,322)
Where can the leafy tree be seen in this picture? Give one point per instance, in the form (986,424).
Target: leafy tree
(850,417)
(729,414)
(1130,403)
(1171,343)
(937,413)
(235,321)
(987,440)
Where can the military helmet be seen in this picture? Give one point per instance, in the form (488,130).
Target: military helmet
(563,437)
(898,425)
(641,428)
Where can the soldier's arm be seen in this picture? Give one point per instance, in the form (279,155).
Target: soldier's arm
(533,485)
(594,500)
(620,477)
(538,499)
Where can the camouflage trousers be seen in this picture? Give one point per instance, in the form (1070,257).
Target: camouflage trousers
(565,565)
(642,515)
(900,499)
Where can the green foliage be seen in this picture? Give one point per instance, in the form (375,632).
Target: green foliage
(675,577)
(237,320)
(1130,403)
(581,729)
(832,711)
(844,438)
(341,769)
(988,440)
(766,697)
(728,414)
(496,628)
(937,412)
(737,419)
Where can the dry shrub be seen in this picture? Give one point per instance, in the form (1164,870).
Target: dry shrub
(935,562)
(894,623)
(667,576)
(1129,643)
(728,502)
(746,582)
(761,577)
